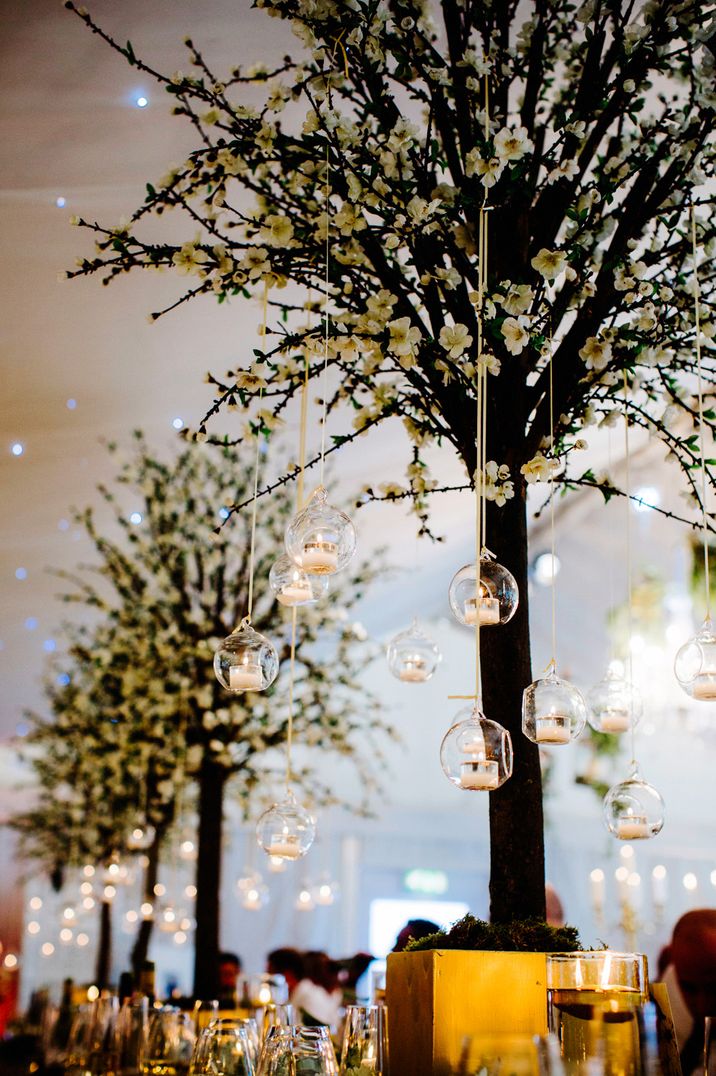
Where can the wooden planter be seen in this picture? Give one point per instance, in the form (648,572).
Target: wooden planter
(438,997)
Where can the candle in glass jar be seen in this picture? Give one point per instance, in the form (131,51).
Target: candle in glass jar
(552,728)
(489,610)
(615,719)
(320,556)
(413,670)
(247,676)
(631,827)
(479,774)
(294,592)
(705,686)
(284,845)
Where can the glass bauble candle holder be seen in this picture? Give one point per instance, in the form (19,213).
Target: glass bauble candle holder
(476,754)
(553,711)
(413,657)
(614,704)
(246,661)
(633,809)
(286,830)
(494,601)
(292,586)
(140,837)
(320,538)
(695,664)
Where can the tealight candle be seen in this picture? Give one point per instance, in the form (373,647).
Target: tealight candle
(552,728)
(413,669)
(479,774)
(247,676)
(284,845)
(320,556)
(632,827)
(705,686)
(294,592)
(489,610)
(615,719)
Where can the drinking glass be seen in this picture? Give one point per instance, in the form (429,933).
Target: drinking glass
(297,1050)
(267,989)
(283,1015)
(93,1047)
(365,1040)
(132,1026)
(593,1002)
(203,1013)
(223,1049)
(709,1066)
(513,1054)
(170,1043)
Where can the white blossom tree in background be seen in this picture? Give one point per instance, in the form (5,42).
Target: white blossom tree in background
(376,141)
(143,732)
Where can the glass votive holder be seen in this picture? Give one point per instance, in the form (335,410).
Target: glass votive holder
(297,1049)
(593,1002)
(365,1040)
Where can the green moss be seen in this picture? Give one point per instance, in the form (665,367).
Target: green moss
(523,936)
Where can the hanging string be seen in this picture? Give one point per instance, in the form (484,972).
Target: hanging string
(627,501)
(292,673)
(479,462)
(324,375)
(551,505)
(247,618)
(697,327)
(303,422)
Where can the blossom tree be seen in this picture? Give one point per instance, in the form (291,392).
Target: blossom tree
(144,724)
(584,134)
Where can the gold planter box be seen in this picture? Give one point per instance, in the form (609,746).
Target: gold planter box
(436,998)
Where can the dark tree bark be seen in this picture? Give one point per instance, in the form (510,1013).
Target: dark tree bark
(104,947)
(141,945)
(516,821)
(212,779)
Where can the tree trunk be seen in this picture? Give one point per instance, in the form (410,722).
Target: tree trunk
(140,949)
(516,822)
(212,779)
(104,946)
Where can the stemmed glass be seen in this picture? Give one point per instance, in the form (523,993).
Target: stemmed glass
(365,1040)
(169,1045)
(297,1049)
(93,1046)
(223,1049)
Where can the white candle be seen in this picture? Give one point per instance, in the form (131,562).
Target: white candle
(632,827)
(284,845)
(294,592)
(552,728)
(247,676)
(413,670)
(705,686)
(479,773)
(320,557)
(614,719)
(489,610)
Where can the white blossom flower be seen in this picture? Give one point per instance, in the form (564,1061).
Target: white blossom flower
(511,144)
(565,170)
(277,230)
(189,259)
(515,335)
(403,338)
(455,339)
(496,483)
(538,469)
(518,299)
(595,353)
(549,263)
(488,361)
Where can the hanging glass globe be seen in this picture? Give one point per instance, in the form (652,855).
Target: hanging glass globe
(695,664)
(168,919)
(246,661)
(286,830)
(412,655)
(320,538)
(553,711)
(633,809)
(293,586)
(140,837)
(253,892)
(496,600)
(476,754)
(614,704)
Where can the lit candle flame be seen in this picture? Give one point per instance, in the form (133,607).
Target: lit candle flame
(606,970)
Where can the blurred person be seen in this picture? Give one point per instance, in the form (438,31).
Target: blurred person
(230,966)
(690,977)
(289,963)
(318,994)
(554,909)
(413,930)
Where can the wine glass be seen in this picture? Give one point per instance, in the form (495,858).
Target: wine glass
(223,1049)
(297,1048)
(170,1043)
(365,1040)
